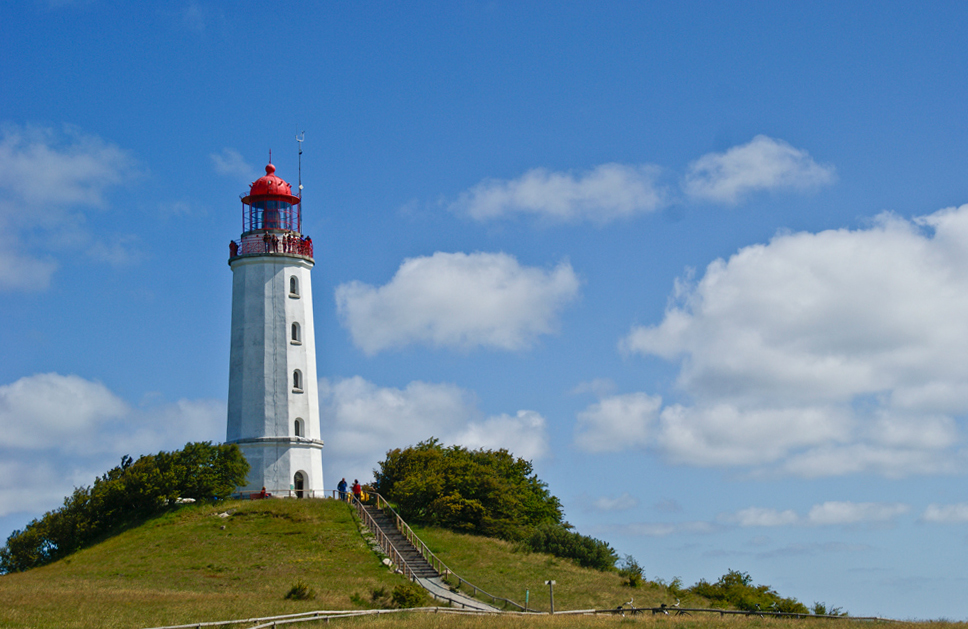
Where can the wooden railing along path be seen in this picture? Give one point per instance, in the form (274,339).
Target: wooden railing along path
(435,562)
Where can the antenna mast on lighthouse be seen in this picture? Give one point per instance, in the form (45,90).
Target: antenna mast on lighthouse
(300,138)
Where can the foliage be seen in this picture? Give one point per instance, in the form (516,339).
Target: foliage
(408,596)
(587,552)
(736,589)
(821,609)
(631,572)
(124,495)
(488,492)
(301,592)
(404,596)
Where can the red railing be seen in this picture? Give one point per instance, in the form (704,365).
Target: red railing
(285,243)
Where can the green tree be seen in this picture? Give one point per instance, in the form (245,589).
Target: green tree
(488,492)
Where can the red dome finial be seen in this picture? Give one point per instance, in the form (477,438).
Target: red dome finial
(270,168)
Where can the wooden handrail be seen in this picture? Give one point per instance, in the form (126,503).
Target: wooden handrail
(435,561)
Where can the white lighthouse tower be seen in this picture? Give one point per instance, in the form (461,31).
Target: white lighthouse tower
(273,411)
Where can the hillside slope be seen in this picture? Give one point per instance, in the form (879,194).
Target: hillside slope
(185,567)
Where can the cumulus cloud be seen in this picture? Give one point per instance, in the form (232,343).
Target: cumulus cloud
(946,514)
(231,163)
(457,300)
(617,422)
(49,178)
(362,421)
(63,431)
(601,195)
(822,353)
(762,164)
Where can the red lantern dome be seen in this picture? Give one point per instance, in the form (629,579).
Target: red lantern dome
(271,187)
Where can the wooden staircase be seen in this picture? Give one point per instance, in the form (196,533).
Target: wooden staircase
(419,567)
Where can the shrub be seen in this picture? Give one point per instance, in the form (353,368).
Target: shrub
(301,592)
(408,595)
(586,551)
(631,572)
(736,589)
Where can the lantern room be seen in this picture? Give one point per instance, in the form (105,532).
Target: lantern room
(271,204)
(271,220)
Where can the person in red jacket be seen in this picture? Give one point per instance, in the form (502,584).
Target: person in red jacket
(357,490)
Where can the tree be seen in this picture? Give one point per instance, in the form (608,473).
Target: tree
(488,492)
(130,492)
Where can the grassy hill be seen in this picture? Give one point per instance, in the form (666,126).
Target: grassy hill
(193,565)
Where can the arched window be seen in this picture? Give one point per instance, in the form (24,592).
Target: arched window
(297,381)
(298,427)
(294,335)
(293,286)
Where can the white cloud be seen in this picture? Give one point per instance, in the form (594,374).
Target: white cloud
(762,164)
(823,354)
(832,513)
(457,300)
(48,177)
(44,168)
(362,421)
(946,514)
(617,422)
(61,432)
(49,410)
(836,512)
(759,516)
(622,502)
(24,273)
(664,529)
(230,162)
(603,194)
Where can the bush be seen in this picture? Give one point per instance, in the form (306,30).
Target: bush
(631,572)
(301,592)
(408,595)
(587,552)
(124,495)
(736,589)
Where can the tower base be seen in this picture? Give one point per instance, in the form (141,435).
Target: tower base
(286,467)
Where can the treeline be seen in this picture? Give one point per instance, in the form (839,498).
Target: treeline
(486,492)
(126,494)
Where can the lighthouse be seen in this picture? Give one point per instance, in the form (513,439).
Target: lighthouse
(273,409)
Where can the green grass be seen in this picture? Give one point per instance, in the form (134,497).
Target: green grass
(499,568)
(184,567)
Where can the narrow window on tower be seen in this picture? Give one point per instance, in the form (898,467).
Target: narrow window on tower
(293,286)
(298,427)
(297,381)
(294,335)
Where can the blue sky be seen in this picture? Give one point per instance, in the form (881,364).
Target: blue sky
(703,263)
